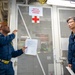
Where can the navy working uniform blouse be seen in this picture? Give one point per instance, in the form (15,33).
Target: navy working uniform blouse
(71,51)
(6,49)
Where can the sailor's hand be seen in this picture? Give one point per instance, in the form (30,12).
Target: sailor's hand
(23,49)
(14,31)
(70,65)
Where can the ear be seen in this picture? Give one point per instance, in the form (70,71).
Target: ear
(0,31)
(0,27)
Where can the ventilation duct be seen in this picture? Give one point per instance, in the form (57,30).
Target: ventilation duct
(72,1)
(26,1)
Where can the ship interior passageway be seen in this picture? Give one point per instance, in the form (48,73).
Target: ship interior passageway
(49,27)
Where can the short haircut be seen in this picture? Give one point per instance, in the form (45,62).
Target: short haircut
(3,23)
(71,18)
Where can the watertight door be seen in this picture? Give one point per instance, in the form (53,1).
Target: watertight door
(43,62)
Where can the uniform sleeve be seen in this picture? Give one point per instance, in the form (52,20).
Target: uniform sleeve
(6,39)
(70,49)
(17,53)
(69,56)
(72,43)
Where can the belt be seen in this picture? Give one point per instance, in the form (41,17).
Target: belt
(4,61)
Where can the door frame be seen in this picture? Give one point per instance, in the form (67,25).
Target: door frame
(29,34)
(60,38)
(55,36)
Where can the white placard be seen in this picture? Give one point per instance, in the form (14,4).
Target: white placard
(35,11)
(31,45)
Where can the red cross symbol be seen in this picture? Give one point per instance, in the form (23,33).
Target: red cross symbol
(35,19)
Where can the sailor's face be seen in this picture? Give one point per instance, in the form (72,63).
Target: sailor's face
(5,28)
(71,24)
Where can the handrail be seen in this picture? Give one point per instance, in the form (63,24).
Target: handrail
(70,70)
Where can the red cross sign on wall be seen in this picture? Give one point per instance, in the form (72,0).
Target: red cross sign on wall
(35,19)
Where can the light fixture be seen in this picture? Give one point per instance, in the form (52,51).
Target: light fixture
(42,1)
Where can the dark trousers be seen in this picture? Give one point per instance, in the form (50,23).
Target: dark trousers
(6,69)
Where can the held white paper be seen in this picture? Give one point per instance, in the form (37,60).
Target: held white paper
(31,45)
